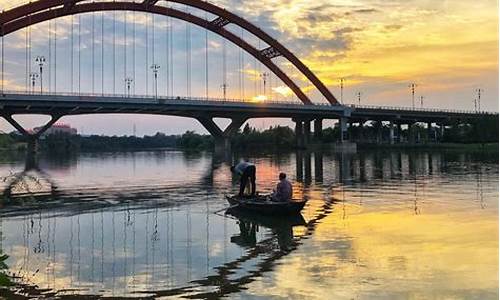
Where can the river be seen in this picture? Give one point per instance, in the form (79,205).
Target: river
(385,224)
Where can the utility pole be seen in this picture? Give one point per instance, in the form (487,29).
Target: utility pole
(224,90)
(359,98)
(479,91)
(342,80)
(128,82)
(412,86)
(33,77)
(421,101)
(155,68)
(264,77)
(40,60)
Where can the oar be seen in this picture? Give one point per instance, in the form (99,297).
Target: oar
(226,208)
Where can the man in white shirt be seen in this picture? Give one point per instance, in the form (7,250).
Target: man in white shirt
(246,171)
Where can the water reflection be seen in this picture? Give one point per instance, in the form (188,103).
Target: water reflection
(143,224)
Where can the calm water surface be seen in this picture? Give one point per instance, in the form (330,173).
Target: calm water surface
(388,225)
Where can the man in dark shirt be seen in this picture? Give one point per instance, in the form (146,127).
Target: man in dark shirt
(246,171)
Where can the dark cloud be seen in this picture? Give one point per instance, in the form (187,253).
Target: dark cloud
(393,27)
(365,11)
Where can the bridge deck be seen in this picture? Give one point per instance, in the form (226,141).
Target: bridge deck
(72,104)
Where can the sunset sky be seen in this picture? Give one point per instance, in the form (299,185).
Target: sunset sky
(449,48)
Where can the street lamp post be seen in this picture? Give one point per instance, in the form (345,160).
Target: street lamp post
(421,101)
(479,91)
(33,77)
(224,90)
(264,77)
(359,98)
(412,86)
(40,60)
(342,80)
(155,68)
(128,82)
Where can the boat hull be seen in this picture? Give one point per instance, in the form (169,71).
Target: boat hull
(262,205)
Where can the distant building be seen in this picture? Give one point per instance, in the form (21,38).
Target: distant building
(58,128)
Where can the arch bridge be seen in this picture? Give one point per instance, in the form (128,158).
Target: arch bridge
(217,20)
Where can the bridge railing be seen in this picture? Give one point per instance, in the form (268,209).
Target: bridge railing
(137,98)
(411,109)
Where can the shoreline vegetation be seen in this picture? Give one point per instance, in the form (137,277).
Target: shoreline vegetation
(276,137)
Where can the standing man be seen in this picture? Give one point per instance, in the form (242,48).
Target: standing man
(246,171)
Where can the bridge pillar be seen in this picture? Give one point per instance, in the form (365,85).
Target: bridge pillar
(430,132)
(307,133)
(391,132)
(379,131)
(31,138)
(361,127)
(343,129)
(441,131)
(318,129)
(222,139)
(299,134)
(399,137)
(411,133)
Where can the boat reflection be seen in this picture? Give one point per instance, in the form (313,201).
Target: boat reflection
(249,223)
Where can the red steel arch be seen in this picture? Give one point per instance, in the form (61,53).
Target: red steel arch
(44,10)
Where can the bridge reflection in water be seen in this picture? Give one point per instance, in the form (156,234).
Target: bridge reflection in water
(167,240)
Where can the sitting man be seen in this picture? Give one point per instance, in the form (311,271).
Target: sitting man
(246,171)
(284,190)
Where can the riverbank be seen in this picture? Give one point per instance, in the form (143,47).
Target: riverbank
(490,147)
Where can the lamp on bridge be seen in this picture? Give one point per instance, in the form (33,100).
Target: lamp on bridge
(40,60)
(33,77)
(412,86)
(264,77)
(128,82)
(155,68)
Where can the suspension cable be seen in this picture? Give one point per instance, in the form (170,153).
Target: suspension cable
(153,40)
(167,57)
(133,51)
(71,54)
(55,55)
(114,52)
(102,53)
(26,61)
(147,54)
(2,57)
(242,70)
(206,58)
(224,68)
(171,51)
(79,54)
(188,57)
(125,53)
(93,53)
(29,47)
(50,55)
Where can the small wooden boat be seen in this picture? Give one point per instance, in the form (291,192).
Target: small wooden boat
(265,205)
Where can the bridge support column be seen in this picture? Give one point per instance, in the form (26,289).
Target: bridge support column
(299,134)
(441,131)
(411,133)
(222,139)
(307,133)
(430,131)
(361,129)
(379,131)
(31,138)
(399,137)
(391,132)
(318,129)
(343,129)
